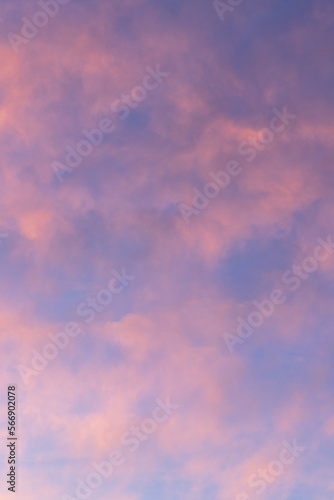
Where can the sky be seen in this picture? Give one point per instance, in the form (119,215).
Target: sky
(167,248)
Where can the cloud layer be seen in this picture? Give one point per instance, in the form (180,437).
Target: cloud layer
(120,209)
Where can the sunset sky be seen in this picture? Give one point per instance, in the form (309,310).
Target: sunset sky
(167,172)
